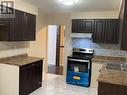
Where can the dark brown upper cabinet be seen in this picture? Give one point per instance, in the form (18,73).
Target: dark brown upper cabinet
(77,26)
(123,25)
(17,25)
(88,26)
(4,29)
(99,29)
(30,27)
(20,28)
(106,31)
(82,26)
(111,31)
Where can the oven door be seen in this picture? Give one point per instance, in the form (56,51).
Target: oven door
(78,65)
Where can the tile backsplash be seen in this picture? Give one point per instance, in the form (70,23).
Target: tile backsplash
(100,48)
(13,48)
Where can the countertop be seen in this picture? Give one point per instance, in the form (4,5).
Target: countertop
(113,76)
(19,60)
(109,59)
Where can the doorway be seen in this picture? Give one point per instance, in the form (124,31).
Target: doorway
(56,49)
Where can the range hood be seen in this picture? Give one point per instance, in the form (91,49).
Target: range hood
(81,35)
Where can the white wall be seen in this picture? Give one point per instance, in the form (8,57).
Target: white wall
(9,79)
(52,34)
(25,6)
(13,48)
(95,15)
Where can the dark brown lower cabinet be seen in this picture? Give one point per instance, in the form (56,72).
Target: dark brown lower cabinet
(111,89)
(30,77)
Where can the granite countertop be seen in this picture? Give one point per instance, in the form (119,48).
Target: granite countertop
(109,59)
(19,60)
(113,76)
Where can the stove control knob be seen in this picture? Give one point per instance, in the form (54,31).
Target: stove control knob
(90,50)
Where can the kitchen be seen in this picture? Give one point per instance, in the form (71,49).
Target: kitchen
(102,52)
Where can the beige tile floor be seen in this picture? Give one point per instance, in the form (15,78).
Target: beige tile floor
(56,85)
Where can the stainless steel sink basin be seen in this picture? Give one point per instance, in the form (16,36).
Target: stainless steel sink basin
(113,66)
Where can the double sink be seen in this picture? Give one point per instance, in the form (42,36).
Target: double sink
(113,66)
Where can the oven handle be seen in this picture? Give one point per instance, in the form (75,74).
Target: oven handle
(78,60)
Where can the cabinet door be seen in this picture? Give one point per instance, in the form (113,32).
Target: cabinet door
(4,29)
(25,82)
(88,26)
(106,89)
(38,77)
(111,89)
(111,31)
(36,74)
(124,37)
(30,28)
(17,26)
(123,25)
(77,26)
(23,27)
(30,77)
(99,29)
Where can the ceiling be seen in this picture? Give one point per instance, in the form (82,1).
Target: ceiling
(53,6)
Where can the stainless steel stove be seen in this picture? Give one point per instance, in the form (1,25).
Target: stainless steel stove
(79,67)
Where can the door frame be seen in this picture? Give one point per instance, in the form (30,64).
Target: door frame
(58,39)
